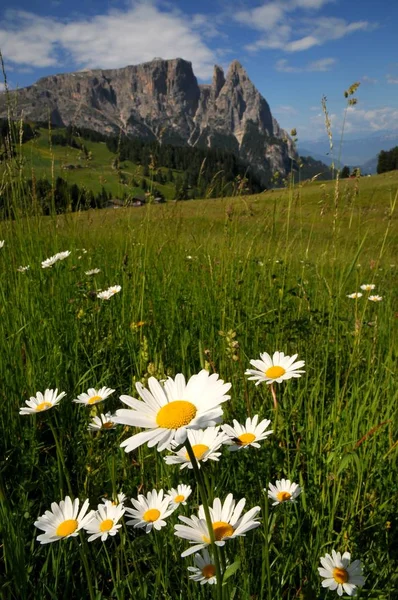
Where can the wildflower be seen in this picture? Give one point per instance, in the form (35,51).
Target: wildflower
(204,444)
(340,574)
(375,298)
(368,287)
(2,243)
(93,396)
(63,520)
(355,295)
(23,269)
(120,498)
(179,496)
(226,521)
(283,491)
(106,294)
(168,410)
(242,436)
(104,521)
(49,262)
(278,368)
(93,272)
(104,421)
(150,511)
(40,403)
(205,569)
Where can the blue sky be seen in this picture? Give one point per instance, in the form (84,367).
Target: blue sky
(294,51)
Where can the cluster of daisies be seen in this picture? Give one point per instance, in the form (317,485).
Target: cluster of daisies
(184,417)
(366,287)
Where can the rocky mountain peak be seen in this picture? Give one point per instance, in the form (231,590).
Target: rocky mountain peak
(218,80)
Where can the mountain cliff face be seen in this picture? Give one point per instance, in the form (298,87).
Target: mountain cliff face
(162,100)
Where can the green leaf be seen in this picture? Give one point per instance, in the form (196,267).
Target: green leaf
(230,570)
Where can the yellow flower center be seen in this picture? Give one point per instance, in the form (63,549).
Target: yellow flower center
(245,438)
(275,372)
(67,527)
(107,425)
(340,575)
(106,525)
(283,496)
(179,498)
(199,450)
(209,571)
(151,515)
(94,399)
(222,530)
(43,406)
(176,414)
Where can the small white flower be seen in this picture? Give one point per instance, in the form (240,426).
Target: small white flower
(49,262)
(104,521)
(167,411)
(120,498)
(150,511)
(368,287)
(40,403)
(93,396)
(355,295)
(23,269)
(375,298)
(340,574)
(205,569)
(2,242)
(283,491)
(104,421)
(278,368)
(226,521)
(179,496)
(204,442)
(242,436)
(93,272)
(106,294)
(64,520)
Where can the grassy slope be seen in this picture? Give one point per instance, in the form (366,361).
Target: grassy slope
(275,269)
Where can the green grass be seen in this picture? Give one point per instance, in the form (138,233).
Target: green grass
(275,269)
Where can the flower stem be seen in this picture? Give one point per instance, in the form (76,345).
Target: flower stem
(86,567)
(60,457)
(203,495)
(274,396)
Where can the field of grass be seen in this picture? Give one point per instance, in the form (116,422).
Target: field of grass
(206,284)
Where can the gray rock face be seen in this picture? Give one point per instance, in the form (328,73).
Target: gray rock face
(162,100)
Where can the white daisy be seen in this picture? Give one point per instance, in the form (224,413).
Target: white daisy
(150,511)
(205,569)
(120,498)
(277,368)
(106,294)
(93,396)
(355,295)
(40,402)
(104,521)
(340,574)
(179,495)
(2,243)
(49,262)
(204,442)
(283,491)
(23,269)
(93,272)
(368,287)
(168,410)
(104,421)
(226,520)
(242,436)
(63,520)
(375,298)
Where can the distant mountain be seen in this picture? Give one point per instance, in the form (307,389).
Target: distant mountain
(162,100)
(370,166)
(355,150)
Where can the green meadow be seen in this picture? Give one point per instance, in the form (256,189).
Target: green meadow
(206,284)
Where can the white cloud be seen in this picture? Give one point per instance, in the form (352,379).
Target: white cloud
(111,40)
(287,26)
(391,79)
(358,120)
(369,80)
(323,64)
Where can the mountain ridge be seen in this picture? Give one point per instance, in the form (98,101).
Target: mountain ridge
(162,100)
